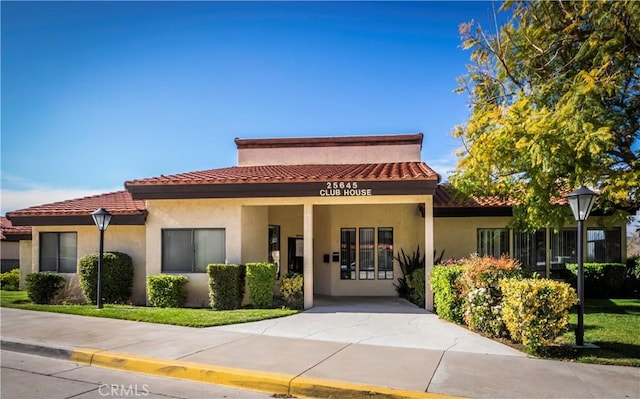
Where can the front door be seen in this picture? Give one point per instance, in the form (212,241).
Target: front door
(295,254)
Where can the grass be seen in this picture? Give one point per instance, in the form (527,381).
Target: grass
(176,316)
(611,324)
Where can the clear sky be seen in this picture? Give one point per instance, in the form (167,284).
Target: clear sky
(97,93)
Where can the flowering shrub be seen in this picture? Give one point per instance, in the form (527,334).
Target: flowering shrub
(536,311)
(482,294)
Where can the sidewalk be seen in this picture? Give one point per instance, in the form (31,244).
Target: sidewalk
(305,367)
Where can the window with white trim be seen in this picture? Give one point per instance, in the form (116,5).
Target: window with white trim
(385,253)
(604,245)
(367,254)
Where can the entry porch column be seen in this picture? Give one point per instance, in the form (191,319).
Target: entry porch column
(308,256)
(428,251)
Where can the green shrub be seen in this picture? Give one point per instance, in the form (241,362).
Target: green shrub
(447,292)
(10,281)
(536,311)
(261,281)
(226,285)
(415,283)
(601,280)
(117,277)
(482,294)
(291,289)
(408,263)
(43,287)
(167,290)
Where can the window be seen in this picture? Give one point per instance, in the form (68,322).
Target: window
(274,247)
(530,249)
(604,245)
(191,250)
(58,252)
(347,254)
(493,242)
(563,250)
(385,253)
(367,254)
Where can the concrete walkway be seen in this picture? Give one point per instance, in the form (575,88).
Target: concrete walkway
(348,349)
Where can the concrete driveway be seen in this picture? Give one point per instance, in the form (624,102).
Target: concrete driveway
(382,321)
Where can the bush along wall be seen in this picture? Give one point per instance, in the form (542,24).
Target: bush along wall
(43,287)
(415,283)
(447,292)
(601,280)
(291,289)
(536,311)
(167,290)
(226,285)
(117,277)
(10,281)
(261,281)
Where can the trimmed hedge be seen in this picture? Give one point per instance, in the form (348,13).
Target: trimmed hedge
(226,285)
(415,283)
(447,298)
(167,290)
(10,281)
(43,287)
(601,280)
(261,281)
(536,311)
(117,277)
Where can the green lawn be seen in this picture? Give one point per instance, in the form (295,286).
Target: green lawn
(613,325)
(176,316)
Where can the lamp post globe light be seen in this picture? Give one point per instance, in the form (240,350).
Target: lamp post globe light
(101,217)
(581,201)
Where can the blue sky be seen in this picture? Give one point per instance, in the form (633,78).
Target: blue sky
(97,93)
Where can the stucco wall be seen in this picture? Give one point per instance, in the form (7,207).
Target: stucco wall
(329,155)
(408,234)
(126,239)
(26,260)
(255,234)
(200,213)
(458,236)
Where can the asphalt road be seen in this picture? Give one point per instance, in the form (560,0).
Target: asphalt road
(33,377)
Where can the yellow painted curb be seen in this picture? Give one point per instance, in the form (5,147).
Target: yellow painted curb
(273,383)
(317,388)
(248,379)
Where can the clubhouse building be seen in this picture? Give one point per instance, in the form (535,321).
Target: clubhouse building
(335,209)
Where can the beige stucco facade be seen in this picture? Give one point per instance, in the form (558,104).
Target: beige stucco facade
(246,224)
(127,239)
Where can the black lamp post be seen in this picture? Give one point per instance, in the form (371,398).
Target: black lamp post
(581,201)
(101,218)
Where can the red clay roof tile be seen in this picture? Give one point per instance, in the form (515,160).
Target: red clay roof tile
(342,141)
(7,229)
(402,171)
(118,203)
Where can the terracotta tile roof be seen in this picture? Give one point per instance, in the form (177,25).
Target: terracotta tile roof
(77,211)
(8,231)
(404,171)
(342,141)
(447,197)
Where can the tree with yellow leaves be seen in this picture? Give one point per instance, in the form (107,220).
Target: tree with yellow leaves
(555,103)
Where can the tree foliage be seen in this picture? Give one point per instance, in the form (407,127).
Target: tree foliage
(554,98)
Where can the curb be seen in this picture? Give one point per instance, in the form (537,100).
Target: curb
(273,383)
